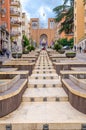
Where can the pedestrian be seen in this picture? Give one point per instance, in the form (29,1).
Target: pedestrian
(75,48)
(7,53)
(80,48)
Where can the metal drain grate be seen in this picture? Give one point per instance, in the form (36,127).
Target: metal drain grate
(9,127)
(45,127)
(35,86)
(36,77)
(44,86)
(51,77)
(83,127)
(44,77)
(32,99)
(54,85)
(45,99)
(57,99)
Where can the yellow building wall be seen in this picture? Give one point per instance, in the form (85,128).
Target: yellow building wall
(78,20)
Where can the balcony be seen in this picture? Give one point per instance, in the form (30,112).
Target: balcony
(14,12)
(4,25)
(2,11)
(23,22)
(15,3)
(15,33)
(15,23)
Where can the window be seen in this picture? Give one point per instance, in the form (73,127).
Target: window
(3,12)
(35,25)
(2,1)
(75,27)
(75,16)
(85,13)
(51,24)
(75,4)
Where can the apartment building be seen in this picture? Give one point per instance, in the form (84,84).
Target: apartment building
(16,24)
(79,20)
(5,24)
(25,25)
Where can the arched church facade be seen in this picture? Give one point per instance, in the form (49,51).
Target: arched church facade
(40,35)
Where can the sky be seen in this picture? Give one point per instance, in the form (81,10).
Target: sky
(42,9)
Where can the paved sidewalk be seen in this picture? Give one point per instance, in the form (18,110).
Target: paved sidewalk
(81,56)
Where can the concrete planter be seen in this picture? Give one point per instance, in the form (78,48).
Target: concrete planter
(70,54)
(17,55)
(61,51)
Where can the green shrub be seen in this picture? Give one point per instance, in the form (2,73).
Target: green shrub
(57,46)
(65,42)
(30,48)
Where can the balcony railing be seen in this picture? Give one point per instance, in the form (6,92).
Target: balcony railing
(15,22)
(15,3)
(15,33)
(2,11)
(15,12)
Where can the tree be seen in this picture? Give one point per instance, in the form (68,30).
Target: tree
(57,46)
(25,41)
(67,12)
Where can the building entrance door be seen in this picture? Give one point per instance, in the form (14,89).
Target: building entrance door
(43,41)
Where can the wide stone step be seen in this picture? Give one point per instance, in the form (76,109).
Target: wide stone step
(44,94)
(43,68)
(33,115)
(44,85)
(47,71)
(45,82)
(43,77)
(43,64)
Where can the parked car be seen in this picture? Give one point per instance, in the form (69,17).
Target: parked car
(66,48)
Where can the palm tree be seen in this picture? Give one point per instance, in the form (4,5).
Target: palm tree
(65,11)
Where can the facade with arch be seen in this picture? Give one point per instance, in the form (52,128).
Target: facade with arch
(37,32)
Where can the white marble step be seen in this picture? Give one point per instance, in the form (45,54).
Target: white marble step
(41,75)
(44,76)
(32,116)
(43,68)
(46,71)
(44,94)
(44,85)
(43,81)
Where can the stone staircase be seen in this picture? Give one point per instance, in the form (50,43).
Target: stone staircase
(44,103)
(44,87)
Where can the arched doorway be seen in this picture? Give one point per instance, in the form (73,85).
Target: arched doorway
(43,40)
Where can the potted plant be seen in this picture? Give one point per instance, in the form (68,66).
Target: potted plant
(16,55)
